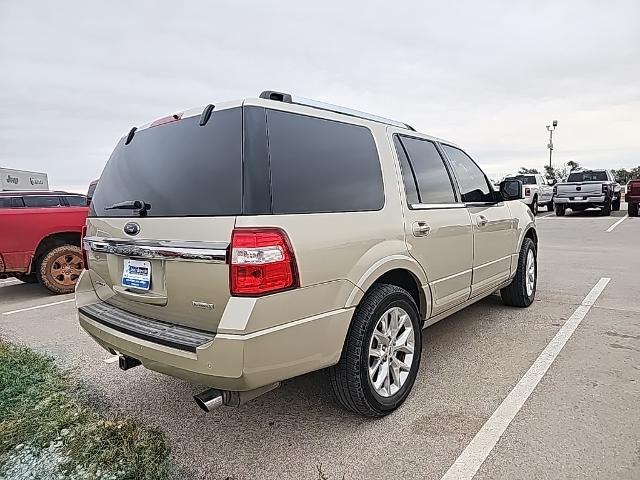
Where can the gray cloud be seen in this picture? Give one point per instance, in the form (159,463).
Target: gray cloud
(488,75)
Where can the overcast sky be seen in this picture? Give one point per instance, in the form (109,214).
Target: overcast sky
(488,75)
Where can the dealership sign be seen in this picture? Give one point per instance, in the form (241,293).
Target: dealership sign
(11,179)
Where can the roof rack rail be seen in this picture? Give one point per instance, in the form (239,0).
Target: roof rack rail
(288,98)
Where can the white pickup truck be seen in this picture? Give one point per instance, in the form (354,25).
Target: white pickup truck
(536,191)
(588,189)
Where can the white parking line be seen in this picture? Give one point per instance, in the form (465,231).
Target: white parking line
(473,456)
(38,306)
(610,229)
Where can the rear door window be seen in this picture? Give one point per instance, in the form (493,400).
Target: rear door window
(41,201)
(76,200)
(320,165)
(5,202)
(423,168)
(180,168)
(474,186)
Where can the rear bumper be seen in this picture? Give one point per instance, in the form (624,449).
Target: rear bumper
(579,200)
(234,362)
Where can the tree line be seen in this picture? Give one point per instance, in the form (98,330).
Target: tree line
(622,175)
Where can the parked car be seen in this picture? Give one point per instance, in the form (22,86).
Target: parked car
(632,197)
(236,256)
(40,239)
(588,189)
(536,191)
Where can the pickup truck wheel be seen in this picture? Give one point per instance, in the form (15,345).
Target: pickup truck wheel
(522,291)
(30,278)
(550,206)
(633,209)
(560,210)
(60,268)
(534,206)
(381,354)
(615,205)
(606,209)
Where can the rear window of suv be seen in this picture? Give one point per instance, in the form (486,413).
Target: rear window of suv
(180,169)
(587,177)
(320,165)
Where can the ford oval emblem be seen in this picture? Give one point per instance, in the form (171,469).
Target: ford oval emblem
(578,189)
(132,228)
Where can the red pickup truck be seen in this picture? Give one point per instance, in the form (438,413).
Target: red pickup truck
(40,238)
(633,197)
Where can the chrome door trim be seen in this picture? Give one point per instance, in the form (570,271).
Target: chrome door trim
(207,252)
(436,206)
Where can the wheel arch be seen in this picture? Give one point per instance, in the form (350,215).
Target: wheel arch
(54,240)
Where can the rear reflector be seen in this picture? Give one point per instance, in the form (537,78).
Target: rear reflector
(262,261)
(85,263)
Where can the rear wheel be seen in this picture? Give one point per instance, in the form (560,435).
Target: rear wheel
(381,354)
(27,278)
(550,206)
(633,209)
(560,209)
(606,209)
(522,291)
(60,268)
(534,206)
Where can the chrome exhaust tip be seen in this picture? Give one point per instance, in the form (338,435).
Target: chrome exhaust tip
(209,399)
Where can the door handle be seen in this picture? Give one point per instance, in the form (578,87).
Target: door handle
(420,229)
(482,220)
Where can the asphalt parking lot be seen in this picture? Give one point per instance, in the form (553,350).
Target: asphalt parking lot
(581,420)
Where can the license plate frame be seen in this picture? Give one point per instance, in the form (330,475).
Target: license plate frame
(136,274)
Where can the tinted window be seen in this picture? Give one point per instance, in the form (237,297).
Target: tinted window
(320,165)
(587,176)
(5,202)
(525,179)
(473,184)
(180,168)
(431,176)
(408,177)
(76,201)
(41,201)
(16,202)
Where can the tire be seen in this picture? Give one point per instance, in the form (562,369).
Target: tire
(350,380)
(560,209)
(534,206)
(615,205)
(550,206)
(632,209)
(519,293)
(27,278)
(58,270)
(606,209)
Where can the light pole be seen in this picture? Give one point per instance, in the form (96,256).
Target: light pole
(551,128)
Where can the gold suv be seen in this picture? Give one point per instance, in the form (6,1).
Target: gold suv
(248,242)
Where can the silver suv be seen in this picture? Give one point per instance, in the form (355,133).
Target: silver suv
(248,242)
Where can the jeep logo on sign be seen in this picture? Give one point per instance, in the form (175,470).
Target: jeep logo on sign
(11,179)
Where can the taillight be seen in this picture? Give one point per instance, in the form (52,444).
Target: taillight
(261,262)
(85,261)
(605,188)
(527,191)
(555,190)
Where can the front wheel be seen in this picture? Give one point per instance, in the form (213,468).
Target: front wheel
(550,206)
(381,354)
(615,205)
(633,209)
(522,290)
(606,209)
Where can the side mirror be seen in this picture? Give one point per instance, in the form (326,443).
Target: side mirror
(511,189)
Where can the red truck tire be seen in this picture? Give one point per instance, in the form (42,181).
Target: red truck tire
(59,268)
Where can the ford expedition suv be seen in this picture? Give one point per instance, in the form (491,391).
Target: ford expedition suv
(40,238)
(536,191)
(248,242)
(588,189)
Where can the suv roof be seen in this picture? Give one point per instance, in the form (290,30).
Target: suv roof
(269,96)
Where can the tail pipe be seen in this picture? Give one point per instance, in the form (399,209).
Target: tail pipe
(214,398)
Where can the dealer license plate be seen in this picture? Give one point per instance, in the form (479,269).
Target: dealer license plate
(136,274)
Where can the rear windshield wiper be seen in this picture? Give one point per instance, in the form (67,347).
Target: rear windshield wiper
(138,205)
